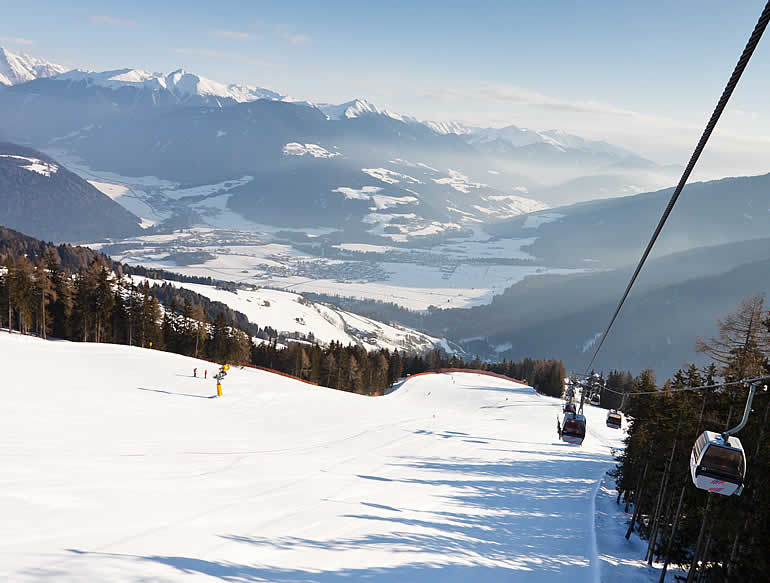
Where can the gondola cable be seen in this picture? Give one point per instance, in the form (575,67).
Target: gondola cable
(759,29)
(700,388)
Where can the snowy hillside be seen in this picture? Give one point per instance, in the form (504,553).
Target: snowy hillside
(353,109)
(290,313)
(180,83)
(118,466)
(18,68)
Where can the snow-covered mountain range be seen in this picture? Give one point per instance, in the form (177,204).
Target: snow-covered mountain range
(180,83)
(192,89)
(356,108)
(18,68)
(354,165)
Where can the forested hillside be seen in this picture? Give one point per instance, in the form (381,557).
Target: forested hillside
(78,294)
(676,298)
(722,536)
(41,197)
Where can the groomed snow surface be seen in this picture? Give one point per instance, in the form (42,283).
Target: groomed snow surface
(118,466)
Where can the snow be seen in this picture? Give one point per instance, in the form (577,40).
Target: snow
(133,199)
(207,190)
(518,205)
(35,165)
(363,193)
(117,466)
(354,109)
(364,247)
(515,136)
(447,127)
(382,202)
(413,285)
(18,68)
(459,182)
(534,221)
(464,272)
(314,150)
(290,312)
(389,176)
(621,559)
(180,83)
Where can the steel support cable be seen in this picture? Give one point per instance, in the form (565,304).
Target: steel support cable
(759,29)
(700,388)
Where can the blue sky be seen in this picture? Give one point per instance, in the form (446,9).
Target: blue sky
(645,75)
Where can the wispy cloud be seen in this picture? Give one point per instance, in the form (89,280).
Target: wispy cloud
(17,40)
(224,55)
(102,19)
(286,33)
(231,34)
(297,39)
(502,94)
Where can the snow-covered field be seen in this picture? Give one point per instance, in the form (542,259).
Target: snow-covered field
(452,275)
(289,312)
(118,466)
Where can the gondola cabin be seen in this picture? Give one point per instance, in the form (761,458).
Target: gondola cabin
(614,419)
(573,428)
(717,465)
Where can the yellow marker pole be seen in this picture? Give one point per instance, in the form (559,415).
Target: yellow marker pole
(219,389)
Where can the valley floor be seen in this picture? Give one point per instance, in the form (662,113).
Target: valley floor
(119,466)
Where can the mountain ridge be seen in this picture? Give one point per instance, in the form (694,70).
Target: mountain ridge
(18,68)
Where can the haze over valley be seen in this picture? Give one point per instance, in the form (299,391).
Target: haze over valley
(246,185)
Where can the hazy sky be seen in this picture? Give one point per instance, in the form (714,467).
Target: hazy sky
(644,75)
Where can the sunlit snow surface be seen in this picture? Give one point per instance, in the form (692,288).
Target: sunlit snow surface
(458,274)
(314,150)
(117,466)
(288,312)
(35,165)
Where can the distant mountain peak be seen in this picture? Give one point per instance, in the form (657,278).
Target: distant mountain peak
(18,68)
(448,127)
(356,108)
(181,83)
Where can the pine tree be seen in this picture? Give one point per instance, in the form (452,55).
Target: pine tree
(217,348)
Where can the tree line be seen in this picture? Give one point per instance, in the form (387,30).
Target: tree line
(354,369)
(75,293)
(715,538)
(97,304)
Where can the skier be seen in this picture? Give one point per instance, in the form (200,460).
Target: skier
(205,373)
(195,372)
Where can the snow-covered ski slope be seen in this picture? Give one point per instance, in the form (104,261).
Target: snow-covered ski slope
(117,466)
